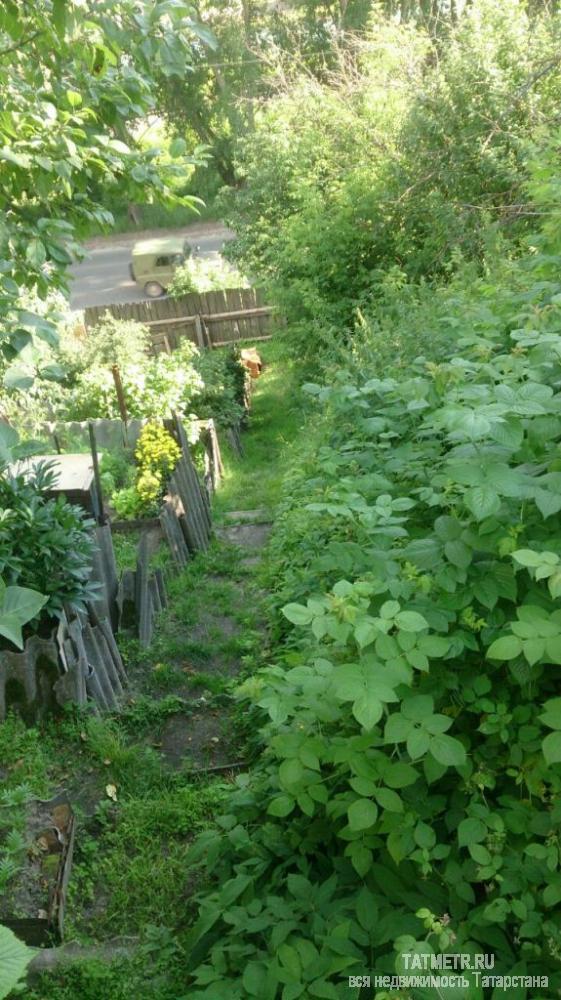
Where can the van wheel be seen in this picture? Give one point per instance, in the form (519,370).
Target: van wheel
(153,289)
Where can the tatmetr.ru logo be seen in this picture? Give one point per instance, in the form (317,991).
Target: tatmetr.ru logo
(413,961)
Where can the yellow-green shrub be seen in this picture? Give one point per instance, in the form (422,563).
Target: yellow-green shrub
(156,450)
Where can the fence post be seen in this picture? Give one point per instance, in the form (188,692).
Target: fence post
(100,514)
(120,393)
(199,331)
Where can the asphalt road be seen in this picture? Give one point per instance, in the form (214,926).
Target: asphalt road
(103,278)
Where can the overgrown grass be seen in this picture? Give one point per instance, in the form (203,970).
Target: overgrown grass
(136,814)
(137,844)
(125,546)
(276,416)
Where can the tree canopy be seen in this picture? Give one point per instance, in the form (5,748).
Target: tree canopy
(74,75)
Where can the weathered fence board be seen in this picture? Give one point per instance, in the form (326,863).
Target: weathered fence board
(209,319)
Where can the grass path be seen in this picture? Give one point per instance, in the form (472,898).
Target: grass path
(255,480)
(130,875)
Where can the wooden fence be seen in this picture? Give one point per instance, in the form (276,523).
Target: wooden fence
(209,319)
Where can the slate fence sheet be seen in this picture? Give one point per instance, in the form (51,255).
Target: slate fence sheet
(83,659)
(80,662)
(104,574)
(111,433)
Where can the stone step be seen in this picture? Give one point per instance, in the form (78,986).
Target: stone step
(248,516)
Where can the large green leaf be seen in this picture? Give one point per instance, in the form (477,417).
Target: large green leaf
(15,956)
(482,501)
(17,377)
(362,814)
(448,750)
(19,606)
(551,747)
(297,614)
(552,713)
(471,831)
(505,648)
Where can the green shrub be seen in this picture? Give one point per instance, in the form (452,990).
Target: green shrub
(439,134)
(224,378)
(117,471)
(205,274)
(45,545)
(128,504)
(153,386)
(112,341)
(408,799)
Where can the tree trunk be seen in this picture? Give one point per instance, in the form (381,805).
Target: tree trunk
(133,213)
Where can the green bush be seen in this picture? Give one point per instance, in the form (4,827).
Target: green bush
(45,545)
(408,799)
(439,133)
(153,386)
(205,274)
(224,379)
(112,341)
(128,504)
(117,471)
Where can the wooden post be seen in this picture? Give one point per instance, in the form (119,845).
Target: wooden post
(206,334)
(199,331)
(120,393)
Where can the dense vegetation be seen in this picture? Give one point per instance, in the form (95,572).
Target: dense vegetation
(397,189)
(396,165)
(408,795)
(74,77)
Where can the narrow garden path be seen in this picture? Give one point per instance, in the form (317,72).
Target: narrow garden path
(143,783)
